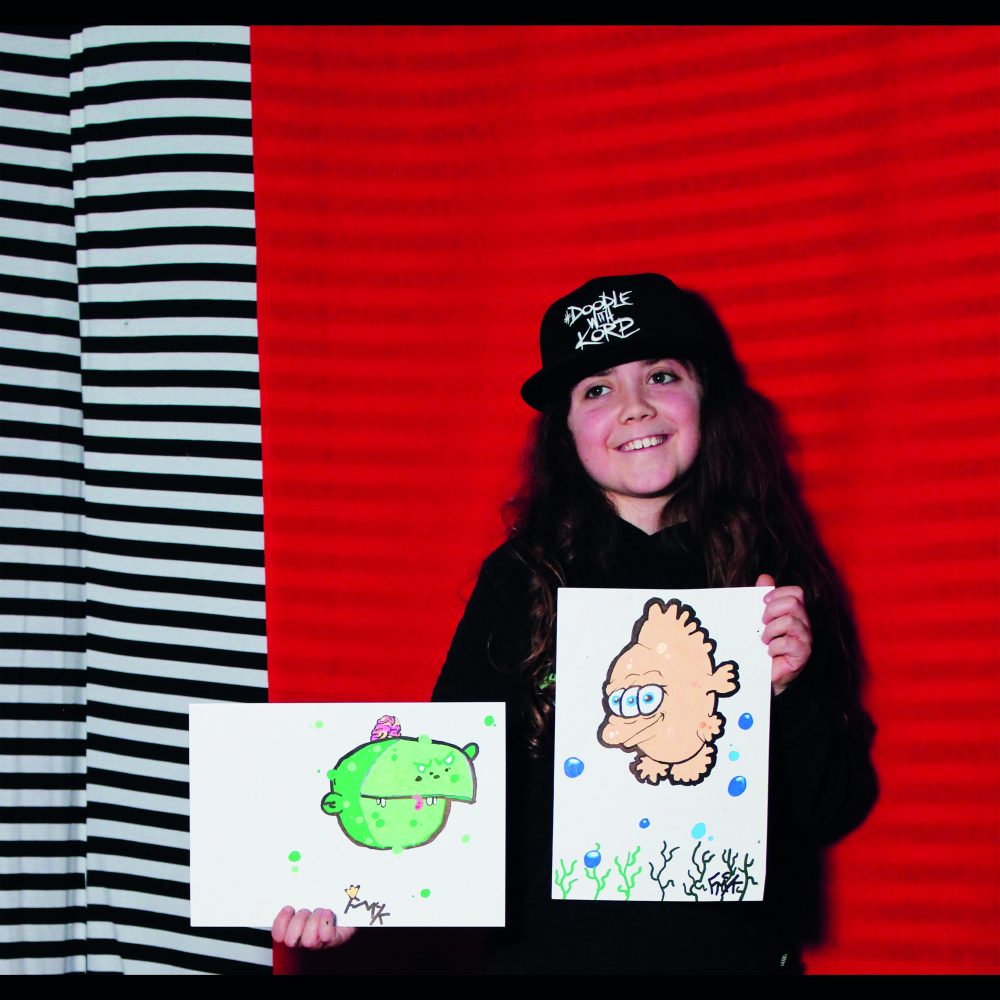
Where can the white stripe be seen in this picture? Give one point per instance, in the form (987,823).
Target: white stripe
(131,665)
(14,933)
(32,448)
(41,764)
(167,107)
(116,34)
(177,465)
(190,361)
(47,899)
(31,156)
(184,570)
(174,69)
(127,698)
(58,864)
(36,194)
(160,735)
(41,729)
(39,378)
(133,799)
(176,533)
(99,894)
(160,145)
(32,45)
(165,326)
(172,602)
(54,590)
(41,232)
(42,485)
(36,121)
(42,625)
(128,764)
(47,966)
(31,83)
(116,830)
(151,395)
(33,413)
(45,798)
(44,694)
(140,291)
(40,555)
(163,430)
(135,220)
(172,253)
(167,500)
(190,944)
(173,635)
(180,180)
(100,862)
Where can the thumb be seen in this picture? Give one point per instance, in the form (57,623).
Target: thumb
(764,580)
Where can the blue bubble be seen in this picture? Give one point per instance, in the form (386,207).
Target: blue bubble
(745,721)
(698,831)
(592,859)
(734,755)
(644,823)
(738,785)
(710,837)
(573,767)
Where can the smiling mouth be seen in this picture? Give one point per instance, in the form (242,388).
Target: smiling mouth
(640,444)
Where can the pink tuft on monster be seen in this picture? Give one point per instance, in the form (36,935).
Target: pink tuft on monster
(387,725)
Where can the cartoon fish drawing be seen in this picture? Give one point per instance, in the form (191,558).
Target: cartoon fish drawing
(661,696)
(396,791)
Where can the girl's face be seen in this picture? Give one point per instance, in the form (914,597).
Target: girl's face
(637,430)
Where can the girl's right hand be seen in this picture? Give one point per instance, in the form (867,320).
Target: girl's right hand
(312,929)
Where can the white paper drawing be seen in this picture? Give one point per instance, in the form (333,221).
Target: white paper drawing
(390,815)
(662,721)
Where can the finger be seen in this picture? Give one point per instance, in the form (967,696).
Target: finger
(782,605)
(328,929)
(786,625)
(793,651)
(293,934)
(280,924)
(310,932)
(780,593)
(764,580)
(782,674)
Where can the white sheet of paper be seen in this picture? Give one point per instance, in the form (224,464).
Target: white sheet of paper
(260,838)
(616,837)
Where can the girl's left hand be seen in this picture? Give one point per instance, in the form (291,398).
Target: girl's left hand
(787,634)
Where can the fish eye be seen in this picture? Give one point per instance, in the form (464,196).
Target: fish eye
(615,701)
(630,702)
(650,698)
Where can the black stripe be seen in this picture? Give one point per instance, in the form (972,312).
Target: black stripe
(15,465)
(169,584)
(25,711)
(52,361)
(154,236)
(99,777)
(27,746)
(199,378)
(63,31)
(46,677)
(17,62)
(31,138)
(31,431)
(138,849)
(146,90)
(131,715)
(161,163)
(135,748)
(182,343)
(180,959)
(30,323)
(55,815)
(139,549)
(108,55)
(178,654)
(244,450)
(42,915)
(63,253)
(167,272)
(171,414)
(216,485)
(43,882)
(153,616)
(43,607)
(27,779)
(46,104)
(178,925)
(56,642)
(48,502)
(164,515)
(35,211)
(148,200)
(43,848)
(35,571)
(137,817)
(134,128)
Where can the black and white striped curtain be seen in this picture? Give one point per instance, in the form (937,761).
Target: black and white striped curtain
(130,511)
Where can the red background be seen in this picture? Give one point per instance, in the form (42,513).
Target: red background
(424,193)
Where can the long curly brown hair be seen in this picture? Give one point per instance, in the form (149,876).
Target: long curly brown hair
(740,498)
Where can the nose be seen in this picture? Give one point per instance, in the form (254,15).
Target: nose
(636,403)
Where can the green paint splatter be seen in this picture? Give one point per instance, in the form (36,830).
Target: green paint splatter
(294,856)
(330,774)
(465,838)
(397,850)
(413,822)
(489,721)
(423,738)
(455,777)
(319,723)
(424,893)
(295,868)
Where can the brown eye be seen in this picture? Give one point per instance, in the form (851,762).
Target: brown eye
(663,378)
(596,391)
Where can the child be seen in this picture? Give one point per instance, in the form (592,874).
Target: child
(654,465)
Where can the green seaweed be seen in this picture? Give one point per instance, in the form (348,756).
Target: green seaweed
(600,881)
(560,879)
(628,878)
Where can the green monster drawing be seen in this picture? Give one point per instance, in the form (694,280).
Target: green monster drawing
(396,791)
